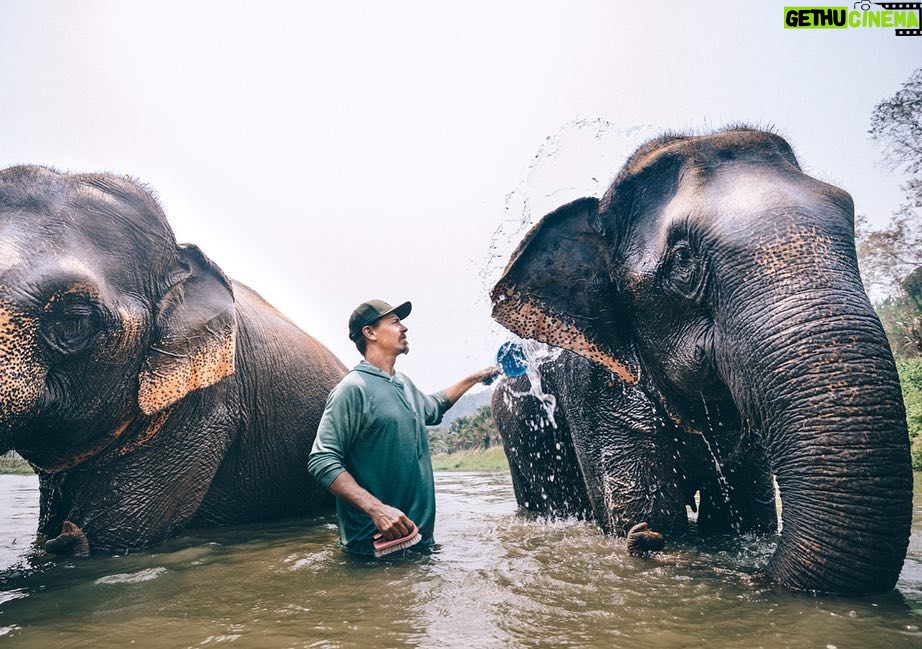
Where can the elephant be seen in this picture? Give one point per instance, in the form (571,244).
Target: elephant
(715,340)
(148,391)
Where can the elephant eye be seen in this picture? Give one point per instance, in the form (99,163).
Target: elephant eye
(69,324)
(684,271)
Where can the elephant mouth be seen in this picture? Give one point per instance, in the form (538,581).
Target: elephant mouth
(52,459)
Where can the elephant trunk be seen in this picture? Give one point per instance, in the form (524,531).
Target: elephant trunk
(829,404)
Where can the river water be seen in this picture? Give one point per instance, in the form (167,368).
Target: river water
(499,579)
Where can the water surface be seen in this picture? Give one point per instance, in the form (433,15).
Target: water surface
(499,579)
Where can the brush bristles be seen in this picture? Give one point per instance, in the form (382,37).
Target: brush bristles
(403,545)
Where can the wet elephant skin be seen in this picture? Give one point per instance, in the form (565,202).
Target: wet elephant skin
(717,334)
(148,391)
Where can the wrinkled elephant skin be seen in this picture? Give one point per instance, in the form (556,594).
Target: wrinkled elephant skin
(715,333)
(148,391)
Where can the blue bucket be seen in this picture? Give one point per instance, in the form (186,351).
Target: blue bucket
(511,359)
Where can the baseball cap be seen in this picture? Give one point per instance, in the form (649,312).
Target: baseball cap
(369,312)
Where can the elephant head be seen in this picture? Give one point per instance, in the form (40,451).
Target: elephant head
(717,272)
(105,319)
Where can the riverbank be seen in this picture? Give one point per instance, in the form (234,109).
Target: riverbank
(491,459)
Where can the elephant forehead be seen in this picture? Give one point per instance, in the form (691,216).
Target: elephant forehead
(757,194)
(11,255)
(18,385)
(734,200)
(71,264)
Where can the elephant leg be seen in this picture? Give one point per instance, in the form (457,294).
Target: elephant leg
(734,482)
(626,451)
(542,462)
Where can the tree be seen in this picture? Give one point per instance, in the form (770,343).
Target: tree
(890,255)
(896,123)
(465,433)
(891,258)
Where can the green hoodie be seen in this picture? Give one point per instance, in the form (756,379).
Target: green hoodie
(374,427)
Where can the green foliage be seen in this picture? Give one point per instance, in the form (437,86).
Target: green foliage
(469,443)
(477,431)
(910,370)
(896,122)
(891,258)
(491,459)
(902,321)
(12,463)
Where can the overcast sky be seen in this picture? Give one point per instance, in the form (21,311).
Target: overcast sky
(325,153)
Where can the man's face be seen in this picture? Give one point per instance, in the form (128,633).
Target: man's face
(390,334)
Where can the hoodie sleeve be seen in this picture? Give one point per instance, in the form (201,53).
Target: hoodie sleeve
(436,406)
(342,419)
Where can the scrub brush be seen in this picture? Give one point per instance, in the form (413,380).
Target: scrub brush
(383,547)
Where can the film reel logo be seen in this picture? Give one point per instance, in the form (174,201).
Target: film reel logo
(902,6)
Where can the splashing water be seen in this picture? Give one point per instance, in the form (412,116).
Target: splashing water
(578,161)
(722,481)
(535,355)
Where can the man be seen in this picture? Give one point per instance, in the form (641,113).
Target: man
(372,449)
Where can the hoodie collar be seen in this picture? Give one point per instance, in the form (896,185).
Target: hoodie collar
(368,368)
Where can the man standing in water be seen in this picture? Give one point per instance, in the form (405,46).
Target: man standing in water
(372,449)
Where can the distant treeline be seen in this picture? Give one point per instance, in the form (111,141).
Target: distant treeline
(477,431)
(12,463)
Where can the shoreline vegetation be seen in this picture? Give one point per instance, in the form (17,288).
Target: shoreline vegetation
(10,463)
(491,459)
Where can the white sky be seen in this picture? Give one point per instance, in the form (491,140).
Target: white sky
(329,152)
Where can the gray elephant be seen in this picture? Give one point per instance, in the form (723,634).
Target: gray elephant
(717,333)
(148,391)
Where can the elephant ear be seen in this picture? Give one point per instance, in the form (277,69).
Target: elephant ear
(195,333)
(557,289)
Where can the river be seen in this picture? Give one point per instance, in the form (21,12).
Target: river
(499,579)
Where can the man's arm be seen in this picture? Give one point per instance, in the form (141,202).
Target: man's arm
(454,392)
(390,521)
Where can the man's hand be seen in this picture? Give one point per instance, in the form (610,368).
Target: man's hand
(390,521)
(486,375)
(454,392)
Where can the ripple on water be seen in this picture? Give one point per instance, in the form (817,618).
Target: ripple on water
(132,577)
(10,595)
